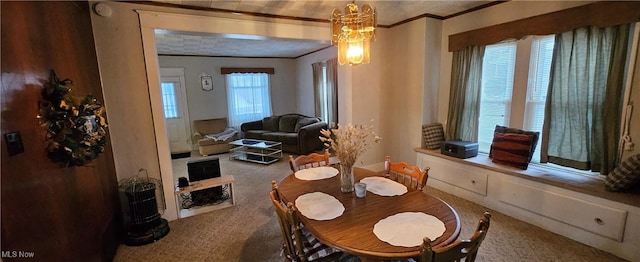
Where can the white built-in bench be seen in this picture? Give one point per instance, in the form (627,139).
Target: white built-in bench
(571,205)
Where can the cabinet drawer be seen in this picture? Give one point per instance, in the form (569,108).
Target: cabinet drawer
(466,177)
(595,218)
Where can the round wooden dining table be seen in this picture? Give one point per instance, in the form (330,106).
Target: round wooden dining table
(352,232)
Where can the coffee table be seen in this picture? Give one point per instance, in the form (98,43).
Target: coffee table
(257,151)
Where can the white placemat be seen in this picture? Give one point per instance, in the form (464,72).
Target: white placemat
(384,186)
(319,206)
(316,173)
(408,229)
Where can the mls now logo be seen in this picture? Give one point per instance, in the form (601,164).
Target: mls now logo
(14,254)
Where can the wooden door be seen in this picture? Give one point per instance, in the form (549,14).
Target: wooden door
(176,112)
(50,211)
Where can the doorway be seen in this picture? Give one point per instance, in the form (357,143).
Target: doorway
(176,110)
(149,21)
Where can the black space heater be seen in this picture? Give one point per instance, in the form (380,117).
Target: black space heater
(140,198)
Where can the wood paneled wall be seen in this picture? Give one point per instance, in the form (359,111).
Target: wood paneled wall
(60,214)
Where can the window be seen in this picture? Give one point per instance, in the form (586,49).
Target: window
(325,97)
(580,115)
(169,100)
(249,98)
(512,102)
(498,65)
(324,106)
(539,72)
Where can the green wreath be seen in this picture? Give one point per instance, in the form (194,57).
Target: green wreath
(76,129)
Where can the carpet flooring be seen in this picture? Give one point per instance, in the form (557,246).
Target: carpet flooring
(249,230)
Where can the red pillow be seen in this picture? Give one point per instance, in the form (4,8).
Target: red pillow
(511,149)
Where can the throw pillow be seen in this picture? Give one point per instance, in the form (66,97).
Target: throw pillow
(305,121)
(625,175)
(288,123)
(511,149)
(271,123)
(534,141)
(433,135)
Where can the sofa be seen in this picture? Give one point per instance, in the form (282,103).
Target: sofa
(213,135)
(298,133)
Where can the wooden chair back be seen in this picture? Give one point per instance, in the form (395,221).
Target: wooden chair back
(309,161)
(289,226)
(274,188)
(456,251)
(408,175)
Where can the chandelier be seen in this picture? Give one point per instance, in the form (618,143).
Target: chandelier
(352,33)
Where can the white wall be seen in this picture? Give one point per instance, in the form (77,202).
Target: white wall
(433,47)
(125,91)
(365,98)
(213,104)
(404,74)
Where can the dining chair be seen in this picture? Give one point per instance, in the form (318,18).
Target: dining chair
(299,244)
(408,175)
(456,251)
(274,188)
(308,161)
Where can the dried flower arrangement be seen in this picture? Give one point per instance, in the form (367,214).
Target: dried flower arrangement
(349,141)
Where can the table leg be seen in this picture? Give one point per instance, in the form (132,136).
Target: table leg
(177,205)
(233,196)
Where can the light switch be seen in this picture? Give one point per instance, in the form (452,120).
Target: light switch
(14,143)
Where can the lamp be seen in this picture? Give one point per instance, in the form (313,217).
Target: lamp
(353,32)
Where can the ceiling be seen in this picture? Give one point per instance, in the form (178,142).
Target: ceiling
(200,44)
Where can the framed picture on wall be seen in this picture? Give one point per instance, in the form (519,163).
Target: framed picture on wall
(206,82)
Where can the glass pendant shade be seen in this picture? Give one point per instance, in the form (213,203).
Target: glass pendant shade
(343,47)
(366,51)
(352,33)
(355,49)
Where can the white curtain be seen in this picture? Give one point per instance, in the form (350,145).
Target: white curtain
(248,98)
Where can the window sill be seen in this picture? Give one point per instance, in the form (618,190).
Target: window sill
(551,176)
